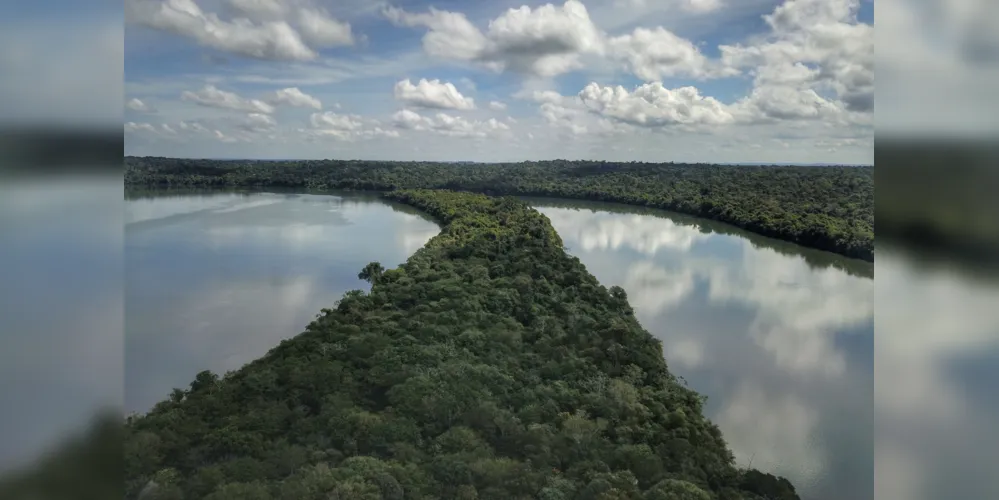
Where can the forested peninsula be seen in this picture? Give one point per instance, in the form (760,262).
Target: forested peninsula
(829,208)
(490,365)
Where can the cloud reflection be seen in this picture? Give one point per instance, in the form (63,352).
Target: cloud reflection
(608,231)
(936,433)
(763,333)
(215,281)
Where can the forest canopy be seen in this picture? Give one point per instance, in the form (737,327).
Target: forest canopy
(828,208)
(489,365)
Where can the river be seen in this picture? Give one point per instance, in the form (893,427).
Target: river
(779,338)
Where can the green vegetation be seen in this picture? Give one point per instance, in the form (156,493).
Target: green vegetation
(490,365)
(937,198)
(828,208)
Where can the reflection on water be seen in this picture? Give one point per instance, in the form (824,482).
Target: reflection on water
(937,371)
(215,280)
(779,338)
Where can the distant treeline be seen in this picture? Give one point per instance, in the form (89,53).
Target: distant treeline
(829,208)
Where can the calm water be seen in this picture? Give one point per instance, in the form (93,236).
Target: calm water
(214,281)
(779,338)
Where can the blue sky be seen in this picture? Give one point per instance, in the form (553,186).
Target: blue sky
(681,80)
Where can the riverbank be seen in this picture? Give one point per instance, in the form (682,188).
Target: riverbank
(490,364)
(827,208)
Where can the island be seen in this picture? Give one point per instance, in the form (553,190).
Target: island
(824,207)
(490,365)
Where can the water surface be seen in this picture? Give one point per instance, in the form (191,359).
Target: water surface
(779,337)
(213,281)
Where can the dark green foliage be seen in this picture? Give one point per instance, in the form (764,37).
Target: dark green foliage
(829,208)
(491,365)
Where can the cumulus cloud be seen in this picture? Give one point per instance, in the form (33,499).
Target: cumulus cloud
(261,29)
(321,30)
(813,44)
(211,96)
(292,96)
(258,122)
(184,131)
(193,127)
(444,124)
(545,41)
(451,34)
(432,94)
(222,137)
(135,104)
(653,105)
(139,127)
(654,54)
(336,121)
(787,103)
(497,106)
(256,9)
(344,127)
(263,40)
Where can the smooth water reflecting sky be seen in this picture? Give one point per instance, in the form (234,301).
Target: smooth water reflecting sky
(779,337)
(215,281)
(781,345)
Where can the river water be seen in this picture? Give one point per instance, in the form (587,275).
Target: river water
(779,338)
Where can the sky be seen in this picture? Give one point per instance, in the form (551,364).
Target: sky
(448,80)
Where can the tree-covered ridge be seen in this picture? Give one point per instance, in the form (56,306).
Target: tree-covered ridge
(490,365)
(829,208)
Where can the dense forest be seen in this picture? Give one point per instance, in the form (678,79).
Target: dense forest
(828,208)
(490,365)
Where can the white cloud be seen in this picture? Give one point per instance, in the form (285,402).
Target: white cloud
(258,122)
(224,138)
(336,121)
(292,96)
(695,6)
(539,96)
(345,127)
(653,105)
(654,54)
(193,127)
(813,45)
(211,96)
(263,40)
(321,30)
(545,41)
(702,6)
(256,9)
(136,104)
(432,94)
(791,79)
(139,127)
(451,126)
(451,34)
(787,103)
